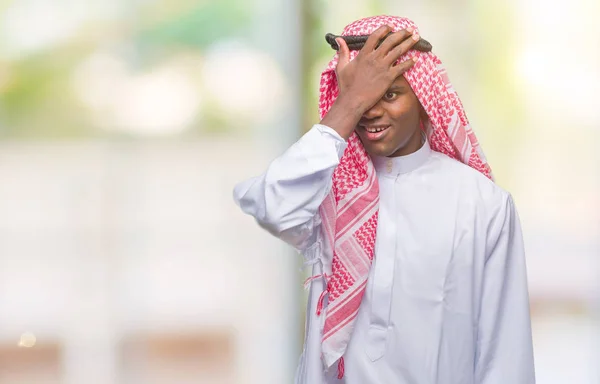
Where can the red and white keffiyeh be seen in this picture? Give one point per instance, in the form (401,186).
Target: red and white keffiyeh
(349,212)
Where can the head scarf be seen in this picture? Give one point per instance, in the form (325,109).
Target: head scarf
(349,212)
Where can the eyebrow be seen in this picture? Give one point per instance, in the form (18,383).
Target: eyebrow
(397,87)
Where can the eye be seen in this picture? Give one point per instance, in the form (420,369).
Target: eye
(389,96)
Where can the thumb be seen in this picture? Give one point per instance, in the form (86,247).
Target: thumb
(344,54)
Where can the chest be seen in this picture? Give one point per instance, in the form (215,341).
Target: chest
(428,235)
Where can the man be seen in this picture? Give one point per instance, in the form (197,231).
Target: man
(417,256)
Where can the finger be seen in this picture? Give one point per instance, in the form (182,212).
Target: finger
(343,52)
(373,40)
(400,49)
(404,66)
(393,40)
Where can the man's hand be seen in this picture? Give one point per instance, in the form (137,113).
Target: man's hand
(364,80)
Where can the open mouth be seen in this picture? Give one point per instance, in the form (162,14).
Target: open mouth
(375,132)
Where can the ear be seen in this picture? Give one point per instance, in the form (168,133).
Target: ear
(423,114)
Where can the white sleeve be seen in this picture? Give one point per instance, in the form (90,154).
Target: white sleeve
(285,199)
(504,345)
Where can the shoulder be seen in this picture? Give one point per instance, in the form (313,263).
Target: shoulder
(471,185)
(479,200)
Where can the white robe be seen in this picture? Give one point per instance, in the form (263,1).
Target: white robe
(446,299)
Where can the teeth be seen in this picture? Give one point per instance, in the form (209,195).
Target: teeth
(375,130)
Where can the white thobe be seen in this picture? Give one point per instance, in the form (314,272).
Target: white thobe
(446,299)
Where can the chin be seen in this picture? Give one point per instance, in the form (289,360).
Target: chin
(386,147)
(379,152)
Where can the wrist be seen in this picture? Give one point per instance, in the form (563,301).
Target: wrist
(343,117)
(351,105)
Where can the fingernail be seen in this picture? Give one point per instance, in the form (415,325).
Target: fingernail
(416,36)
(409,30)
(415,59)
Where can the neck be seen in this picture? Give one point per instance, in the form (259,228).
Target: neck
(412,145)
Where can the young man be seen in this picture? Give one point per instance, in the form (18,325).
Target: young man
(417,256)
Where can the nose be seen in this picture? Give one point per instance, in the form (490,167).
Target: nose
(374,112)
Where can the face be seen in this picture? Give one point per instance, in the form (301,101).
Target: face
(391,127)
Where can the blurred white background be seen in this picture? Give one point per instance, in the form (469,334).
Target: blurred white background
(125,124)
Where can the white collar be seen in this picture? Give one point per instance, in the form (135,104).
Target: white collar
(394,166)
